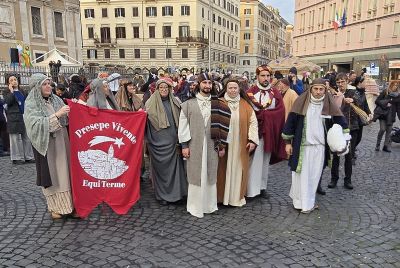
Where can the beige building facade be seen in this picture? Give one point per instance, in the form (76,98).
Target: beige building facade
(39,26)
(370,36)
(262,35)
(173,35)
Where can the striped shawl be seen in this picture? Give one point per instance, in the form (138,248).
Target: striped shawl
(220,119)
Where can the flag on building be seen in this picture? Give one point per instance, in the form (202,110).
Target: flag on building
(344,19)
(336,22)
(106,157)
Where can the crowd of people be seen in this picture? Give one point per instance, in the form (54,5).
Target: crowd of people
(210,138)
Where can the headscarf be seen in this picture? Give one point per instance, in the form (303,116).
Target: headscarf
(98,99)
(155,108)
(36,116)
(264,67)
(122,98)
(300,106)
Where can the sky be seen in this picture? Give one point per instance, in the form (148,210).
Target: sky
(286,8)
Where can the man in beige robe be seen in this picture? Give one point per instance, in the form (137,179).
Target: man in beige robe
(288,94)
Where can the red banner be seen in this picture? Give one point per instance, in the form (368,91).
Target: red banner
(106,157)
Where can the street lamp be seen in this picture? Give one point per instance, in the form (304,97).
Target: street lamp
(209,33)
(167,54)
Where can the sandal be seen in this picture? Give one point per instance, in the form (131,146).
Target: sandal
(309,211)
(56,216)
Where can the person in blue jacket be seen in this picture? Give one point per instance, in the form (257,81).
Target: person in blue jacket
(295,83)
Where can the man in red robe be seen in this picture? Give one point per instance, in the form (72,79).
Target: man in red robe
(268,104)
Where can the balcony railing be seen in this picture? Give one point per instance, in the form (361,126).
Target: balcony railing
(105,42)
(192,40)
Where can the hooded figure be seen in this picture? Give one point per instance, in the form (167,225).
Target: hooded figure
(305,131)
(100,96)
(126,97)
(167,168)
(46,119)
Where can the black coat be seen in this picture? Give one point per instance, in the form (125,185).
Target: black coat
(359,99)
(294,128)
(15,120)
(385,112)
(2,118)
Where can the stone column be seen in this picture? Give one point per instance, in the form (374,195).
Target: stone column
(77,31)
(24,22)
(70,33)
(49,25)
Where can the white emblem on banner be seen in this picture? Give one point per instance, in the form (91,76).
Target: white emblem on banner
(102,165)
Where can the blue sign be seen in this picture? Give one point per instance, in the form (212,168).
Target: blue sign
(372,65)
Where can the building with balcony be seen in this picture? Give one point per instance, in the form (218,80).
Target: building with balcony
(368,34)
(262,35)
(39,26)
(173,35)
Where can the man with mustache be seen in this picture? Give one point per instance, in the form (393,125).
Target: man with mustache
(268,105)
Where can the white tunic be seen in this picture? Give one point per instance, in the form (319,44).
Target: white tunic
(201,199)
(305,183)
(259,163)
(234,167)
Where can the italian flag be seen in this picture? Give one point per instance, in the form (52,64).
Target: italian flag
(336,22)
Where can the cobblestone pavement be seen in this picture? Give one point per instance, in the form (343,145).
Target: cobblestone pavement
(351,228)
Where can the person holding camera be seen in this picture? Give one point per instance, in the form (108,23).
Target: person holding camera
(20,146)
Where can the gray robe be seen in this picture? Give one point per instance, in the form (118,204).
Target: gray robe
(198,131)
(170,182)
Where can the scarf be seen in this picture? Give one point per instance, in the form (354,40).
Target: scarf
(232,103)
(220,120)
(20,100)
(263,90)
(36,116)
(316,101)
(262,87)
(300,105)
(98,99)
(156,111)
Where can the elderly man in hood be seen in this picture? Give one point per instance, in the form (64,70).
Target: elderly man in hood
(305,131)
